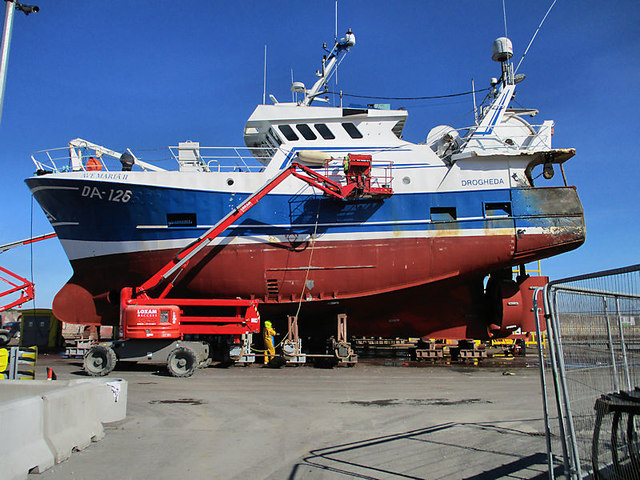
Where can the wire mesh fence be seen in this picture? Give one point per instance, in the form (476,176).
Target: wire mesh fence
(591,370)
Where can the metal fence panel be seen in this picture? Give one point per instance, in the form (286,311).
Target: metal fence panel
(593,349)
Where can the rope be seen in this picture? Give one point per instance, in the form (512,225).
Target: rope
(313,242)
(257,350)
(304,285)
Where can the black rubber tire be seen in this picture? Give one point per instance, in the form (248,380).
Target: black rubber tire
(182,362)
(4,337)
(99,361)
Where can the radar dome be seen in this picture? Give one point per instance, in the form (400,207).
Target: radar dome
(501,50)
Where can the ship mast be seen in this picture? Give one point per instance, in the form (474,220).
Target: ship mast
(329,64)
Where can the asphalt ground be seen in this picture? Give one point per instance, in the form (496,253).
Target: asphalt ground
(383,419)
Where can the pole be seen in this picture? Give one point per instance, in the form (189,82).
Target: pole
(543,383)
(264,81)
(6,43)
(616,384)
(623,346)
(475,108)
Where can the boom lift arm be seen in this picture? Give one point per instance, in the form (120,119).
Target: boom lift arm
(16,282)
(357,172)
(154,328)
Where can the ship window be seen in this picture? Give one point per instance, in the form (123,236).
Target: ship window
(288,133)
(398,127)
(273,138)
(268,146)
(354,111)
(502,209)
(352,130)
(443,214)
(181,220)
(306,131)
(324,131)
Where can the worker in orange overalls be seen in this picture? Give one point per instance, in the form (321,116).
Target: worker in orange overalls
(268,336)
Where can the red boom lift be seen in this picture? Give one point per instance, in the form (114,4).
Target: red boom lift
(152,328)
(17,284)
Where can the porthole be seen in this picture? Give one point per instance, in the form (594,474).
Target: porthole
(230,181)
(406,180)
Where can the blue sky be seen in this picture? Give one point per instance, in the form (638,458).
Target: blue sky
(149,74)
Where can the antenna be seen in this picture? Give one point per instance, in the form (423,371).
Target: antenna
(475,108)
(336,39)
(535,34)
(504,14)
(294,95)
(336,17)
(264,82)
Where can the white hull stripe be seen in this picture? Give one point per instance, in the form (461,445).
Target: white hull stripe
(79,249)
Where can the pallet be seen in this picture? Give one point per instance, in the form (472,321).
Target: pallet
(79,350)
(429,353)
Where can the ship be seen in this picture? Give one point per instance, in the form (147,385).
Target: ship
(433,259)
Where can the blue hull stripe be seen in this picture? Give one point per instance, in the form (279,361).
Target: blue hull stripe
(144,216)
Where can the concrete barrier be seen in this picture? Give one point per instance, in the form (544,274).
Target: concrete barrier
(16,389)
(71,420)
(42,422)
(111,397)
(23,446)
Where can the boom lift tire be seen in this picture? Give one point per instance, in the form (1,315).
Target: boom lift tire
(99,361)
(205,363)
(182,362)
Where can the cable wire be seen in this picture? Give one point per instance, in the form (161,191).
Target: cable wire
(313,241)
(535,34)
(432,97)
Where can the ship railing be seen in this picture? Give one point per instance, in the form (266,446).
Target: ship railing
(191,155)
(54,160)
(207,159)
(69,159)
(509,138)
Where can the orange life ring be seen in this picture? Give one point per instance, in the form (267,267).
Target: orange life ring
(93,164)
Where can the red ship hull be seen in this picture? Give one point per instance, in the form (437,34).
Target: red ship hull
(406,287)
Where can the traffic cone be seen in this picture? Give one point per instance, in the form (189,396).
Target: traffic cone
(51,375)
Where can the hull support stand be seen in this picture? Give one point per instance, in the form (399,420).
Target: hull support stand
(340,346)
(292,345)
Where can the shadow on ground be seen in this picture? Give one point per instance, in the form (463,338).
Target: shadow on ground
(445,451)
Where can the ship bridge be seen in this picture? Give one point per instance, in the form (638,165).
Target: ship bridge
(292,126)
